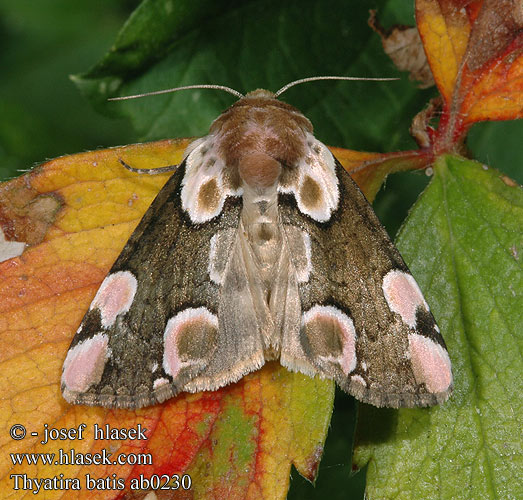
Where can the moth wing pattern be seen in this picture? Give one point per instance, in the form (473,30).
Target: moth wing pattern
(153,325)
(364,320)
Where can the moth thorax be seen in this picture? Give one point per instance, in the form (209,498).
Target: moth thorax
(259,170)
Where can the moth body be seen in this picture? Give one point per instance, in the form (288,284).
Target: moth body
(259,247)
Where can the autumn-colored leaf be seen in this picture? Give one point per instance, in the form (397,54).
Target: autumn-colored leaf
(369,170)
(237,442)
(475,50)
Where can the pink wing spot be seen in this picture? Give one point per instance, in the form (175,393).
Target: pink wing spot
(403,295)
(186,319)
(85,363)
(115,296)
(430,362)
(345,328)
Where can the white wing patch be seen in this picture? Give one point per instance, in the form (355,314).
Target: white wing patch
(204,187)
(220,246)
(9,249)
(316,185)
(357,379)
(299,247)
(160,382)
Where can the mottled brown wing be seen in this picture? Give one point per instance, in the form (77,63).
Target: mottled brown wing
(365,322)
(157,298)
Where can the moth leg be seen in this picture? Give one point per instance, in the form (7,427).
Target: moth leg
(150,171)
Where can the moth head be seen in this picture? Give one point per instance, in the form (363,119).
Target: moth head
(259,136)
(260,94)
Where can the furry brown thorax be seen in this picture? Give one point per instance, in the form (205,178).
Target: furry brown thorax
(258,134)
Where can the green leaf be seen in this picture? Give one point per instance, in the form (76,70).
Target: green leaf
(147,36)
(463,241)
(42,114)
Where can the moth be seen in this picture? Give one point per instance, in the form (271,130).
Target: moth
(259,247)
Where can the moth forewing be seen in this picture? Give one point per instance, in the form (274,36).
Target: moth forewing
(259,247)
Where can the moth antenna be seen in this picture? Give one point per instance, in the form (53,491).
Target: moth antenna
(315,78)
(187,87)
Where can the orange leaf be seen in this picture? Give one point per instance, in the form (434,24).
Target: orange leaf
(369,170)
(475,50)
(445,30)
(237,442)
